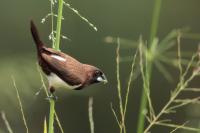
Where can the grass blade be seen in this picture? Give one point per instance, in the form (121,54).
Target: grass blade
(3,115)
(20,105)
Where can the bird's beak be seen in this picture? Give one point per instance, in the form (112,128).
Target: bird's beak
(102,79)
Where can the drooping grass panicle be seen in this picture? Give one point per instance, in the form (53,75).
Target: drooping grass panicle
(56,34)
(81,16)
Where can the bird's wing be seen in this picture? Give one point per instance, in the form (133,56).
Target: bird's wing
(64,66)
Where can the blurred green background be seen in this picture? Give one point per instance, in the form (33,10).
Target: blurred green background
(127,19)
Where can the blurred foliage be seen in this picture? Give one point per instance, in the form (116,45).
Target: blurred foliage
(127,19)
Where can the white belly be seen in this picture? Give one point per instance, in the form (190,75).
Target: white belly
(56,82)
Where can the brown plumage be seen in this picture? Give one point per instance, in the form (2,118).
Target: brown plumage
(63,70)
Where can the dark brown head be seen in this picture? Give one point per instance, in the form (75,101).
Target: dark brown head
(94,75)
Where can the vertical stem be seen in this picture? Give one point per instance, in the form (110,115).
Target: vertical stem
(148,67)
(52,25)
(90,114)
(155,20)
(122,125)
(143,104)
(59,22)
(51,115)
(57,45)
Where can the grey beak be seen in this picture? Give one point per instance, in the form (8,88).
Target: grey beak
(102,79)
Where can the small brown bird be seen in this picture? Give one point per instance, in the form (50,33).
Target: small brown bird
(63,70)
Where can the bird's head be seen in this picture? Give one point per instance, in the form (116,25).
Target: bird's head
(95,75)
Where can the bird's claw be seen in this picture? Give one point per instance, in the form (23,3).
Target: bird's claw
(52,97)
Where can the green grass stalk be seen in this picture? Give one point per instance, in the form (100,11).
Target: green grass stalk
(45,125)
(59,22)
(148,67)
(51,115)
(143,104)
(57,47)
(155,20)
(52,25)
(47,94)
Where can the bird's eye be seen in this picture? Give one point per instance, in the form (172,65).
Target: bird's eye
(97,73)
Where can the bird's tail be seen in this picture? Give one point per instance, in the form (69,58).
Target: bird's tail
(36,37)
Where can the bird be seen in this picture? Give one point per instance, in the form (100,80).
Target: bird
(62,70)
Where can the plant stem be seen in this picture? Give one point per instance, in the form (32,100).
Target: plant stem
(59,22)
(122,125)
(143,104)
(155,20)
(148,66)
(90,114)
(52,24)
(57,47)
(51,115)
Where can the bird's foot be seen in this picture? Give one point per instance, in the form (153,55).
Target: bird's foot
(52,96)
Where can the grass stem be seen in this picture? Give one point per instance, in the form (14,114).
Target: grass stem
(148,66)
(155,20)
(90,114)
(57,47)
(3,115)
(119,87)
(52,25)
(51,115)
(59,22)
(20,105)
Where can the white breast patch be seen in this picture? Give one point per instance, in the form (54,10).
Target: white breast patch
(56,82)
(58,58)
